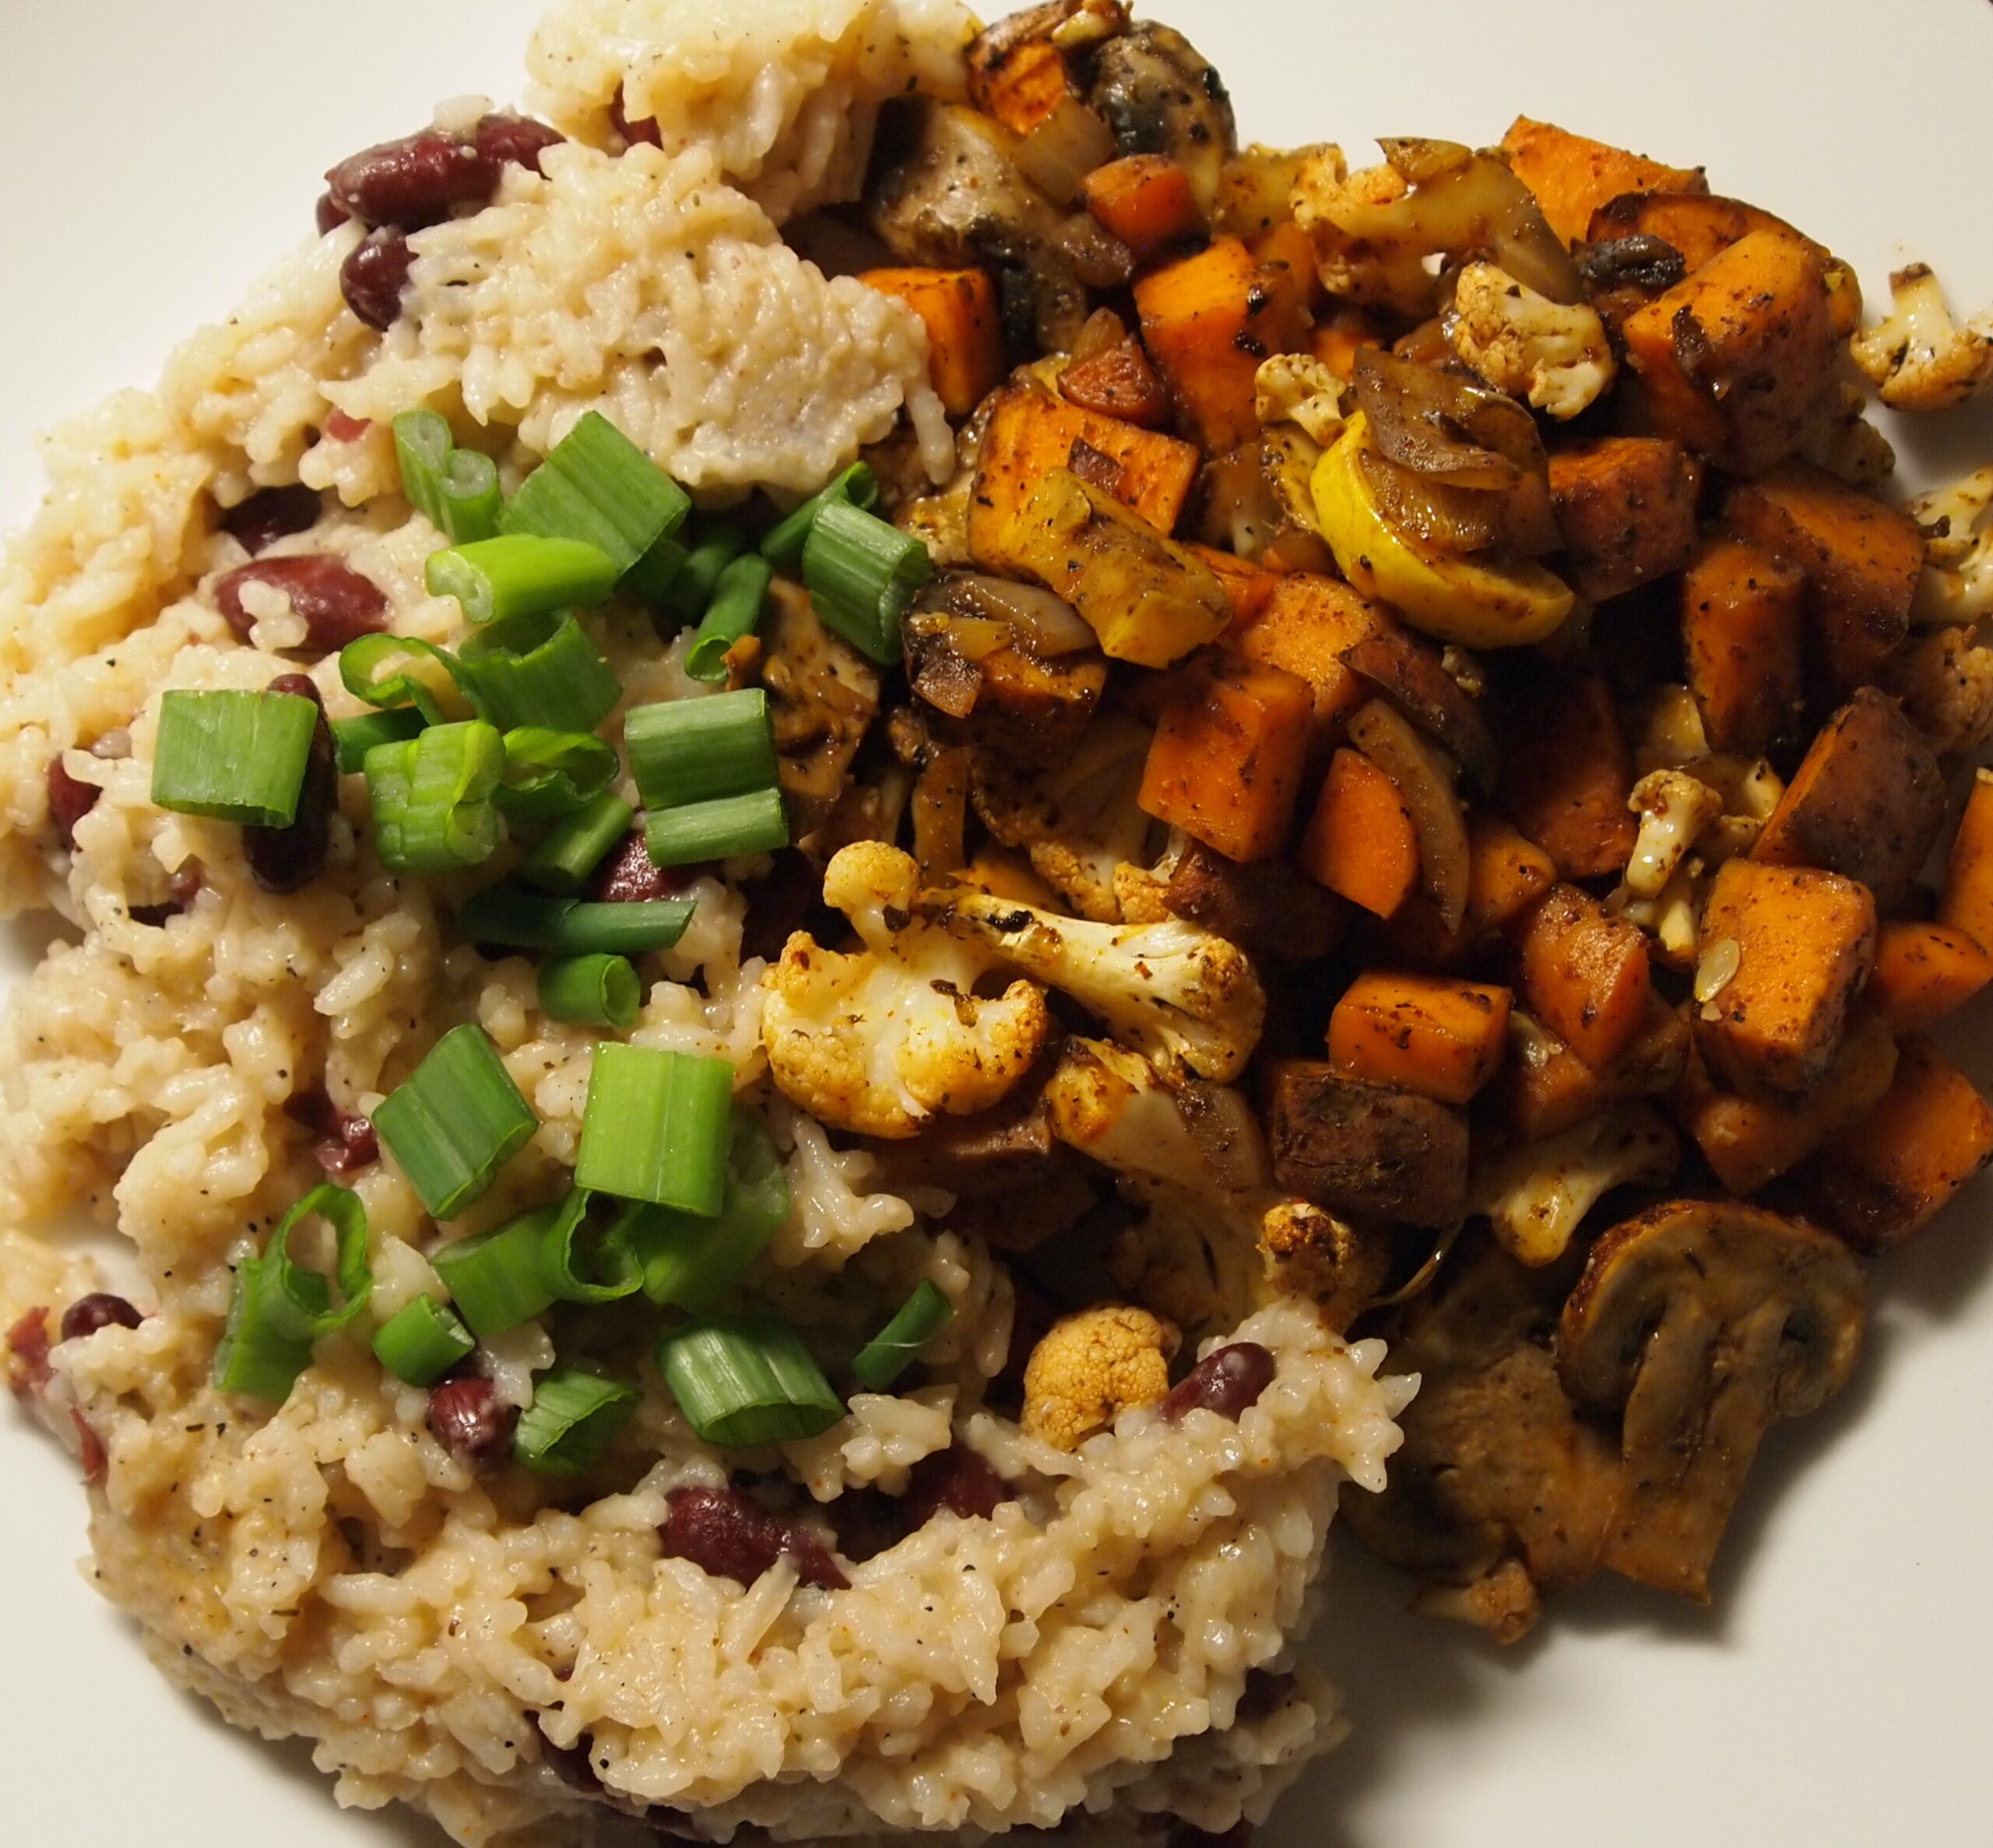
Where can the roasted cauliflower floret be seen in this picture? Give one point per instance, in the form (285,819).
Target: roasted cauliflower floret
(1957,584)
(1092,1367)
(1185,998)
(1945,684)
(1674,808)
(1308,1251)
(1292,388)
(1918,357)
(881,1041)
(1366,241)
(1537,1195)
(1523,343)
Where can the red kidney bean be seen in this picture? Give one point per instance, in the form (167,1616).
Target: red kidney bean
(731,1535)
(374,276)
(413,181)
(1225,1381)
(338,604)
(272,514)
(466,1417)
(99,1309)
(346,1140)
(27,1355)
(154,916)
(630,876)
(343,429)
(519,139)
(957,1479)
(287,859)
(644,129)
(70,799)
(329,214)
(866,1523)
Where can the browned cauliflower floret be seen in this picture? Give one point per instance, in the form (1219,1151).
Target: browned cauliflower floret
(1309,1252)
(1674,808)
(880,1041)
(1366,239)
(1957,584)
(1946,686)
(1091,1367)
(1918,358)
(1521,343)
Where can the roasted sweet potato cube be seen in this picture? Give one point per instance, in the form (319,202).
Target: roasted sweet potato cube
(964,330)
(1271,909)
(1924,972)
(1304,625)
(1015,71)
(1226,762)
(1750,1141)
(1805,940)
(1118,382)
(1584,975)
(1738,357)
(1249,586)
(1883,1177)
(1144,199)
(1566,776)
(1361,842)
(1861,560)
(1506,876)
(1365,1152)
(1439,1038)
(1539,1096)
(1573,175)
(1742,628)
(1691,219)
(1626,508)
(1967,903)
(1868,801)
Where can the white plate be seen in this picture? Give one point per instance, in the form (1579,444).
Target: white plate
(160,156)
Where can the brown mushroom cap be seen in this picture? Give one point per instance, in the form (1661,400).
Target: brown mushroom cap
(1705,1320)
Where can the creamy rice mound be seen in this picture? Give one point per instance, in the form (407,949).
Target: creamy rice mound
(1120,1634)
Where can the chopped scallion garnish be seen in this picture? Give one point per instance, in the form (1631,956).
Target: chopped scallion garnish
(395,671)
(510,919)
(520,574)
(422,1341)
(857,486)
(594,990)
(691,586)
(651,578)
(575,847)
(422,443)
(573,1419)
(456,1121)
(495,1279)
(562,1256)
(745,1380)
(656,1127)
(456,490)
(549,774)
(862,573)
(734,612)
(353,738)
(278,1308)
(432,797)
(686,750)
(537,670)
(233,756)
(755,823)
(896,1347)
(598,486)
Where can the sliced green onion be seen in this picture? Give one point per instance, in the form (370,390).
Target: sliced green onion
(734,612)
(590,991)
(693,750)
(472,501)
(897,1346)
(755,823)
(277,1309)
(424,676)
(422,443)
(456,490)
(575,847)
(692,585)
(747,1379)
(422,1341)
(862,573)
(535,670)
(651,577)
(456,1122)
(510,919)
(857,486)
(495,1279)
(551,774)
(353,738)
(692,1263)
(520,574)
(432,796)
(656,1127)
(561,1256)
(573,1419)
(234,755)
(598,486)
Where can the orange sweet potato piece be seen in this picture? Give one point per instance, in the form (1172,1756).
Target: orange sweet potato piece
(1337,338)
(1737,358)
(1506,874)
(1015,71)
(1208,320)
(1584,975)
(1967,903)
(1626,508)
(1144,199)
(1031,433)
(1805,941)
(1742,616)
(1307,623)
(1117,382)
(1566,776)
(1747,1141)
(1867,800)
(964,330)
(1861,560)
(1573,175)
(1424,1033)
(1923,972)
(1361,843)
(1249,586)
(1882,1178)
(1226,762)
(1539,1097)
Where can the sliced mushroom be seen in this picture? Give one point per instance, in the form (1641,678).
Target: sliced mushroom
(1705,1320)
(1409,673)
(823,696)
(1160,96)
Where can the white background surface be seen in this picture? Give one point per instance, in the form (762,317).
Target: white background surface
(1840,1691)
